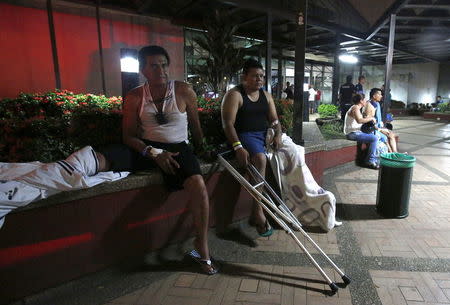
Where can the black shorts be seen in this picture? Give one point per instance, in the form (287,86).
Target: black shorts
(123,158)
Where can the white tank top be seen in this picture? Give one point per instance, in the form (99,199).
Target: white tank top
(350,123)
(175,130)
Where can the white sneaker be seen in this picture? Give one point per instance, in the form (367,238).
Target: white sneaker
(337,223)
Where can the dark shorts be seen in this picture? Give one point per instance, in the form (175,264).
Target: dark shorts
(253,141)
(123,158)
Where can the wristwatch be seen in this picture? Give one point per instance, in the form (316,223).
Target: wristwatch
(153,151)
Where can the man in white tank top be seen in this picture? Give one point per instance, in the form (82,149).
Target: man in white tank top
(155,120)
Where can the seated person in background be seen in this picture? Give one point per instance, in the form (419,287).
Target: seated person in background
(246,111)
(155,131)
(352,129)
(373,109)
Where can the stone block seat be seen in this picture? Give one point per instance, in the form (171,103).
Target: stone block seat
(70,234)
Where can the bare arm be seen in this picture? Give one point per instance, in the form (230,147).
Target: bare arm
(230,106)
(359,118)
(130,120)
(190,99)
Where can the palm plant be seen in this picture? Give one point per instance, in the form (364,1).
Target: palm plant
(224,58)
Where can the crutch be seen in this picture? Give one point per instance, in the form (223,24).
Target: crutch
(281,214)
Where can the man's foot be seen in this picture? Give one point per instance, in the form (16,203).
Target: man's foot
(264,230)
(209,266)
(372,165)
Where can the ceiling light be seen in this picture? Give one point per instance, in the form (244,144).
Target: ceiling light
(348,58)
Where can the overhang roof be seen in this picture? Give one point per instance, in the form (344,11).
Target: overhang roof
(422,27)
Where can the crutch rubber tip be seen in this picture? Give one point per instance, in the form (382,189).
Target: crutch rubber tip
(334,288)
(346,279)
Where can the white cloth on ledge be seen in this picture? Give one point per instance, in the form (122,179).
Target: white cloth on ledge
(312,205)
(23,183)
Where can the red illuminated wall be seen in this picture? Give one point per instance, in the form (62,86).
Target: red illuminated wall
(26,59)
(27,63)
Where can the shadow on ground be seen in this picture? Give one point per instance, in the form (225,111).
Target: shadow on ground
(348,212)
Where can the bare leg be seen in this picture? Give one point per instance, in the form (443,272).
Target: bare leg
(199,206)
(259,161)
(392,142)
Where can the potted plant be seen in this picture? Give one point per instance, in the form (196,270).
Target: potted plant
(327,113)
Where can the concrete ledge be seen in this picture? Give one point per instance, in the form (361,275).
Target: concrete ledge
(437,116)
(74,233)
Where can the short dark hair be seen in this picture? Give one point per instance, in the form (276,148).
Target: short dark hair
(361,77)
(149,51)
(250,64)
(357,98)
(373,91)
(349,78)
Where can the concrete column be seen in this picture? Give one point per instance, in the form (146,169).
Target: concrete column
(388,71)
(335,88)
(299,77)
(269,53)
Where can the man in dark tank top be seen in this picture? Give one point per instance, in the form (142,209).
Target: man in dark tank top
(247,112)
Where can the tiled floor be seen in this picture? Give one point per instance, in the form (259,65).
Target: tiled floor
(391,261)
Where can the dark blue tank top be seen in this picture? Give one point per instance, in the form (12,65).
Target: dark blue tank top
(252,116)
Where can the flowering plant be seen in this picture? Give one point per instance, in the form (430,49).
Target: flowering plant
(50,126)
(285,111)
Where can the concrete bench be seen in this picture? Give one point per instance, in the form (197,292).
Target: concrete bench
(74,233)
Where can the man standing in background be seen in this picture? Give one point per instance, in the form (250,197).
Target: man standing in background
(345,96)
(360,85)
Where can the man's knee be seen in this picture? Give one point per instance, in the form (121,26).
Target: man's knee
(196,182)
(259,159)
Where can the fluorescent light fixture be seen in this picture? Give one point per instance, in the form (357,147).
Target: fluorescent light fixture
(350,48)
(129,64)
(348,59)
(348,42)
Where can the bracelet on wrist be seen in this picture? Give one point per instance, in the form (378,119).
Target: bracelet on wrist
(236,144)
(239,146)
(152,150)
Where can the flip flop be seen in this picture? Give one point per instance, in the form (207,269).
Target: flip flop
(268,228)
(204,262)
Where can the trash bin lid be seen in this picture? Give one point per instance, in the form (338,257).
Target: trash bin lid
(397,160)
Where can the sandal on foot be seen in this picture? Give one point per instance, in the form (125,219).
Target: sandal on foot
(209,266)
(264,231)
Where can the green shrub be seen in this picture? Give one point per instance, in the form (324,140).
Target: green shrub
(332,130)
(327,110)
(50,126)
(443,107)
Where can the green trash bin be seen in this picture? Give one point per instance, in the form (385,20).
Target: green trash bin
(394,184)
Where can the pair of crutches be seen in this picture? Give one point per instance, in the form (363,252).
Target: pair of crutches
(280,213)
